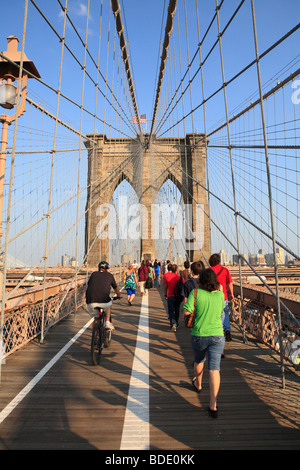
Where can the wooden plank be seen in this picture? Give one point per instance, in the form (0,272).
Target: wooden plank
(79,406)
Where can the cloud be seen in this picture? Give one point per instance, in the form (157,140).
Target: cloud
(79,10)
(82,10)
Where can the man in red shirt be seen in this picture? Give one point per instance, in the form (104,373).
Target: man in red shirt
(224,278)
(170,280)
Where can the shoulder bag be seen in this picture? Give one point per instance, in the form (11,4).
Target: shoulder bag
(189,319)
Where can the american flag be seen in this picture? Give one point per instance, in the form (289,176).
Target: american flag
(143,119)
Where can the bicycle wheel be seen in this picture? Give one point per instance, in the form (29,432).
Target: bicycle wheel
(97,342)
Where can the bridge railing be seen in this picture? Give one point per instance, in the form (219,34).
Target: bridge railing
(261,321)
(23,322)
(28,315)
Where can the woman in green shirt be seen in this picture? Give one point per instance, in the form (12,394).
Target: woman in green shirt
(207,333)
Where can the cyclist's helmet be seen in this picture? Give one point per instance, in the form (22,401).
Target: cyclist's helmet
(103,266)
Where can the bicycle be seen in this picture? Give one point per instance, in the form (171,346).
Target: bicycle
(101,336)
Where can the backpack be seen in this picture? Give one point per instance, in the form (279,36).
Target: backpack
(178,290)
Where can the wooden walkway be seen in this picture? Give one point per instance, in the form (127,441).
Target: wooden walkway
(74,405)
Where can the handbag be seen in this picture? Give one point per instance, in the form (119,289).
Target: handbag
(189,319)
(148,283)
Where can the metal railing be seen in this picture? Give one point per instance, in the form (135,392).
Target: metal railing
(261,321)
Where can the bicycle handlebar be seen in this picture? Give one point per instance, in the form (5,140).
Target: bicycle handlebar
(116,297)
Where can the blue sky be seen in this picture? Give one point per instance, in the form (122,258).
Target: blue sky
(144,23)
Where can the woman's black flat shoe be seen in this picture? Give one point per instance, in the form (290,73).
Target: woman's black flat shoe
(198,390)
(213,413)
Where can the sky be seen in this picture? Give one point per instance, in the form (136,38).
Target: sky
(144,23)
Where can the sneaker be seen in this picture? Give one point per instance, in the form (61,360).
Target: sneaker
(109,325)
(174,327)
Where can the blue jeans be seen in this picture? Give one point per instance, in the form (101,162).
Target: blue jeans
(210,346)
(225,317)
(173,311)
(156,279)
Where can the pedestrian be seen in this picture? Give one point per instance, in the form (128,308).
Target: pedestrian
(193,282)
(142,277)
(135,265)
(150,280)
(186,272)
(225,280)
(131,283)
(207,337)
(165,267)
(157,270)
(170,280)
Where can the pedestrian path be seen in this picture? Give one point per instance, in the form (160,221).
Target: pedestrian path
(140,397)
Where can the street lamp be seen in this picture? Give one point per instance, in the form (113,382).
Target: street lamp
(9,73)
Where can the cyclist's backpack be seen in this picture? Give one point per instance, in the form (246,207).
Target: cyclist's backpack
(178,290)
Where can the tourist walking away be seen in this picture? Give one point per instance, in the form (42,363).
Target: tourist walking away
(207,339)
(157,271)
(186,271)
(193,282)
(225,280)
(170,280)
(98,293)
(142,277)
(131,283)
(150,280)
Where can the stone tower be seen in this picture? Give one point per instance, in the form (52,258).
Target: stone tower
(147,166)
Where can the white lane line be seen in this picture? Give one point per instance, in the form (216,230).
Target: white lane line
(135,434)
(17,400)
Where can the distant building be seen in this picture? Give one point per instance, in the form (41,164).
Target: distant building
(74,262)
(252,259)
(65,260)
(235,259)
(279,257)
(261,257)
(224,258)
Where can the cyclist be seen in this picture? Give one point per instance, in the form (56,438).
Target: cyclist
(98,293)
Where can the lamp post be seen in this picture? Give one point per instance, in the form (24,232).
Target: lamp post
(9,73)
(14,67)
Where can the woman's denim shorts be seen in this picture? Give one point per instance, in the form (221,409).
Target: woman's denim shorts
(210,346)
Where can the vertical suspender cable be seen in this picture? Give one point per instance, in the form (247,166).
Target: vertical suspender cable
(94,144)
(269,191)
(79,161)
(232,171)
(204,119)
(120,30)
(51,178)
(164,56)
